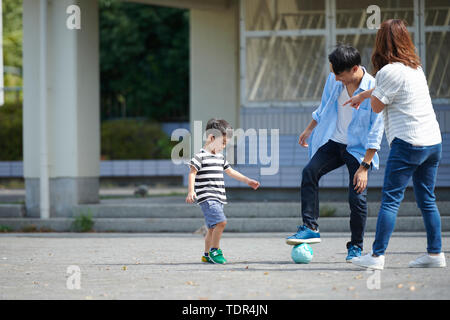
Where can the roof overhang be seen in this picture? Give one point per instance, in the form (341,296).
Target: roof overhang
(189,4)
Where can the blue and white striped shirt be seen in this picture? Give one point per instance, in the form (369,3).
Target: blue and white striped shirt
(209,181)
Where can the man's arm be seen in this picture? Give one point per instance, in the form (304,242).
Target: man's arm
(360,178)
(307,133)
(239,176)
(325,96)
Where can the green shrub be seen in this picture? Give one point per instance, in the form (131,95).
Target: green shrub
(121,139)
(327,211)
(30,228)
(11,132)
(5,228)
(134,139)
(83,222)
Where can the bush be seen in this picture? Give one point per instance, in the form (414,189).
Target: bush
(121,139)
(4,228)
(11,132)
(83,222)
(327,211)
(125,139)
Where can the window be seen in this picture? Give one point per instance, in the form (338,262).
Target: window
(285,44)
(284,54)
(351,23)
(437,47)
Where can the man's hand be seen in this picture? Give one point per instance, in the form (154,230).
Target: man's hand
(191,197)
(360,180)
(303,137)
(253,183)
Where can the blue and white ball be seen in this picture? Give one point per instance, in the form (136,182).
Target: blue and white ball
(302,253)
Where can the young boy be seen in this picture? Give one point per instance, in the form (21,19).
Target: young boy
(206,175)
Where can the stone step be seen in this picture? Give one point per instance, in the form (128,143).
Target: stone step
(12,210)
(288,225)
(232,210)
(239,210)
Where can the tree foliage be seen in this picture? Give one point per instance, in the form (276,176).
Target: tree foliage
(144,61)
(144,72)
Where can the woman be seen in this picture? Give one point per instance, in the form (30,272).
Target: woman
(413,133)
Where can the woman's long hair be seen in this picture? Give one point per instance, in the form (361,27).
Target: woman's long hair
(393,44)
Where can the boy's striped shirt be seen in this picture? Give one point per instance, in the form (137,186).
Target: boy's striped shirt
(209,182)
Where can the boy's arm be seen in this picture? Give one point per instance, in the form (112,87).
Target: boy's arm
(239,176)
(191,181)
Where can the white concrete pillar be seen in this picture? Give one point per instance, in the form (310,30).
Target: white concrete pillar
(214,65)
(73,104)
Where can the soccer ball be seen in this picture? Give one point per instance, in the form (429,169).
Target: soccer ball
(302,253)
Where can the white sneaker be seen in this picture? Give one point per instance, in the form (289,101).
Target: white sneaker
(427,261)
(367,261)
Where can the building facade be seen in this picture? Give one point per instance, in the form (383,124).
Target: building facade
(260,64)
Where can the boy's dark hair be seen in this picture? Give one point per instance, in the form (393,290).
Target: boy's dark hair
(343,58)
(219,124)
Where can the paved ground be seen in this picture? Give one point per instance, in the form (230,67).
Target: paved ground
(166,266)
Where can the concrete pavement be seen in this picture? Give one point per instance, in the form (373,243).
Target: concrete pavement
(166,266)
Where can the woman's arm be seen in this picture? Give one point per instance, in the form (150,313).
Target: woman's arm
(356,101)
(375,103)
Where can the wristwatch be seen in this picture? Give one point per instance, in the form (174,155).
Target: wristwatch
(365,165)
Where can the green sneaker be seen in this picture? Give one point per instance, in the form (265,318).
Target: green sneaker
(216,256)
(206,259)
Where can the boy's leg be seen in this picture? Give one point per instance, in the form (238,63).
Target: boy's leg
(326,159)
(357,203)
(217,234)
(208,239)
(216,222)
(215,253)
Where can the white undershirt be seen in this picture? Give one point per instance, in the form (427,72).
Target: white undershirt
(345,114)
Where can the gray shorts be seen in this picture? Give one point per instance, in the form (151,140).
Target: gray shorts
(213,212)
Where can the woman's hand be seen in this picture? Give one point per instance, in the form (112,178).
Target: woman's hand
(355,101)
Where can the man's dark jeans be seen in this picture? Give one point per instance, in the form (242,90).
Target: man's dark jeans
(330,156)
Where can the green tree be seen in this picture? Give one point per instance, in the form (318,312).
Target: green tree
(144,61)
(12,42)
(11,132)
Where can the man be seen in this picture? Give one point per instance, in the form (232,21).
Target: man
(339,135)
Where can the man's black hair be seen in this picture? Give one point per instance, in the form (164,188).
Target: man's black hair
(343,58)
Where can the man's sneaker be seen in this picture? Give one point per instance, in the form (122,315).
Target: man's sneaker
(216,256)
(353,252)
(304,235)
(367,261)
(427,261)
(206,259)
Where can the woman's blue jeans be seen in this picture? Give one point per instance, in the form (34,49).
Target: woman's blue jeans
(420,163)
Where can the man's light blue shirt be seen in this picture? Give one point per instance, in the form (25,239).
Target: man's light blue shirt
(365,131)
